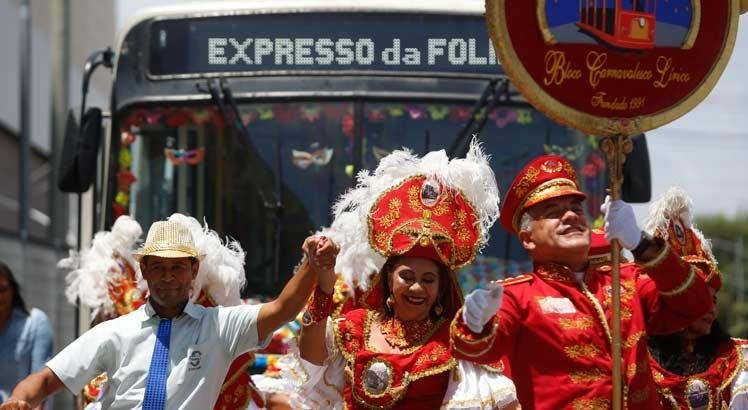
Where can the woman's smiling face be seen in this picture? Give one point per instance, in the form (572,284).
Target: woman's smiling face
(415,287)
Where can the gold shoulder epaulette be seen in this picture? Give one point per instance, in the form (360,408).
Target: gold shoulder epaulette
(515,280)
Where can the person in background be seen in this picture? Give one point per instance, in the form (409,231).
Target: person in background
(698,367)
(170,353)
(553,323)
(25,336)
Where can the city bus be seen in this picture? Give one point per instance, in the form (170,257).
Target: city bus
(255,116)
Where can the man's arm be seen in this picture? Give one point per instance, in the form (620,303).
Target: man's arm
(673,293)
(495,338)
(320,253)
(32,390)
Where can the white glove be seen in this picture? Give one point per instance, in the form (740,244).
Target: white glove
(620,223)
(481,305)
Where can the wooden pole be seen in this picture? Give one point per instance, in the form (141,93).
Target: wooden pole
(615,149)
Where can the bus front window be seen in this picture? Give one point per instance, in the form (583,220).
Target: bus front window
(273,190)
(268,193)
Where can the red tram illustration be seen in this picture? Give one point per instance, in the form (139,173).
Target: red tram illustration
(620,23)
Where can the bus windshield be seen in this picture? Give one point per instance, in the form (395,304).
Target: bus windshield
(272,191)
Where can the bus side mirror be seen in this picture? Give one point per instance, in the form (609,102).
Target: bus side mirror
(637,179)
(79,152)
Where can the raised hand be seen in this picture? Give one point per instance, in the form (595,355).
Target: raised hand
(321,253)
(480,305)
(620,223)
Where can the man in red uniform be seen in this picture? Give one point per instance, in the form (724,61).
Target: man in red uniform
(553,324)
(701,366)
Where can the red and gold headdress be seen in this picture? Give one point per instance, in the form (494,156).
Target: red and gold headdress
(545,177)
(428,207)
(670,218)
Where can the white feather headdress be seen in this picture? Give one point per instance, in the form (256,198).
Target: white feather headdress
(471,175)
(95,268)
(675,204)
(221,271)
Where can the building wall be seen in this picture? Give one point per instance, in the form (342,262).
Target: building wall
(90,24)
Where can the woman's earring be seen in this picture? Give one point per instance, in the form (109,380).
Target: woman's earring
(438,309)
(390,303)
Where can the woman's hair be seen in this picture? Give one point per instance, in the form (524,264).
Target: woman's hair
(445,289)
(668,350)
(17,297)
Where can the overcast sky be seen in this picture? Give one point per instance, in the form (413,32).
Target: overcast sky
(703,151)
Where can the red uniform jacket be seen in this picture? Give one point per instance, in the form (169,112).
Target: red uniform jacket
(555,332)
(710,389)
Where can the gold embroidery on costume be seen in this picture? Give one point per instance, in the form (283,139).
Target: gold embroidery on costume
(588,376)
(393,214)
(633,339)
(599,403)
(552,271)
(634,369)
(431,357)
(521,188)
(579,323)
(579,351)
(403,334)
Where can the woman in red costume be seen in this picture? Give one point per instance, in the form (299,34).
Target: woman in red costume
(700,367)
(412,223)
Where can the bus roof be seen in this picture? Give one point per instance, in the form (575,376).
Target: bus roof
(222,8)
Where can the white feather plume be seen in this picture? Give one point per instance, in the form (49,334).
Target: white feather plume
(675,202)
(95,267)
(221,271)
(472,175)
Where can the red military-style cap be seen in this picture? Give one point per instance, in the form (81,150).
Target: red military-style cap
(544,178)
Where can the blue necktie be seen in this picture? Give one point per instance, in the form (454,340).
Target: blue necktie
(155,387)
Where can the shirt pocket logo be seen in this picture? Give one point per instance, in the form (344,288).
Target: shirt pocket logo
(194,357)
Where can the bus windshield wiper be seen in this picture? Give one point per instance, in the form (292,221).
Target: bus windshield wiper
(223,98)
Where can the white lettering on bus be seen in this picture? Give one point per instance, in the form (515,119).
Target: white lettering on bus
(263,47)
(365,51)
(303,51)
(472,58)
(283,48)
(216,51)
(391,55)
(325,55)
(345,51)
(457,51)
(343,47)
(436,48)
(240,47)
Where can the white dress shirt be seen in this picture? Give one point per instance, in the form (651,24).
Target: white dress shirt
(203,343)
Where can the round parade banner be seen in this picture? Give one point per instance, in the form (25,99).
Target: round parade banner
(613,67)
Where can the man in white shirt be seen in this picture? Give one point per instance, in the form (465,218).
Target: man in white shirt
(171,353)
